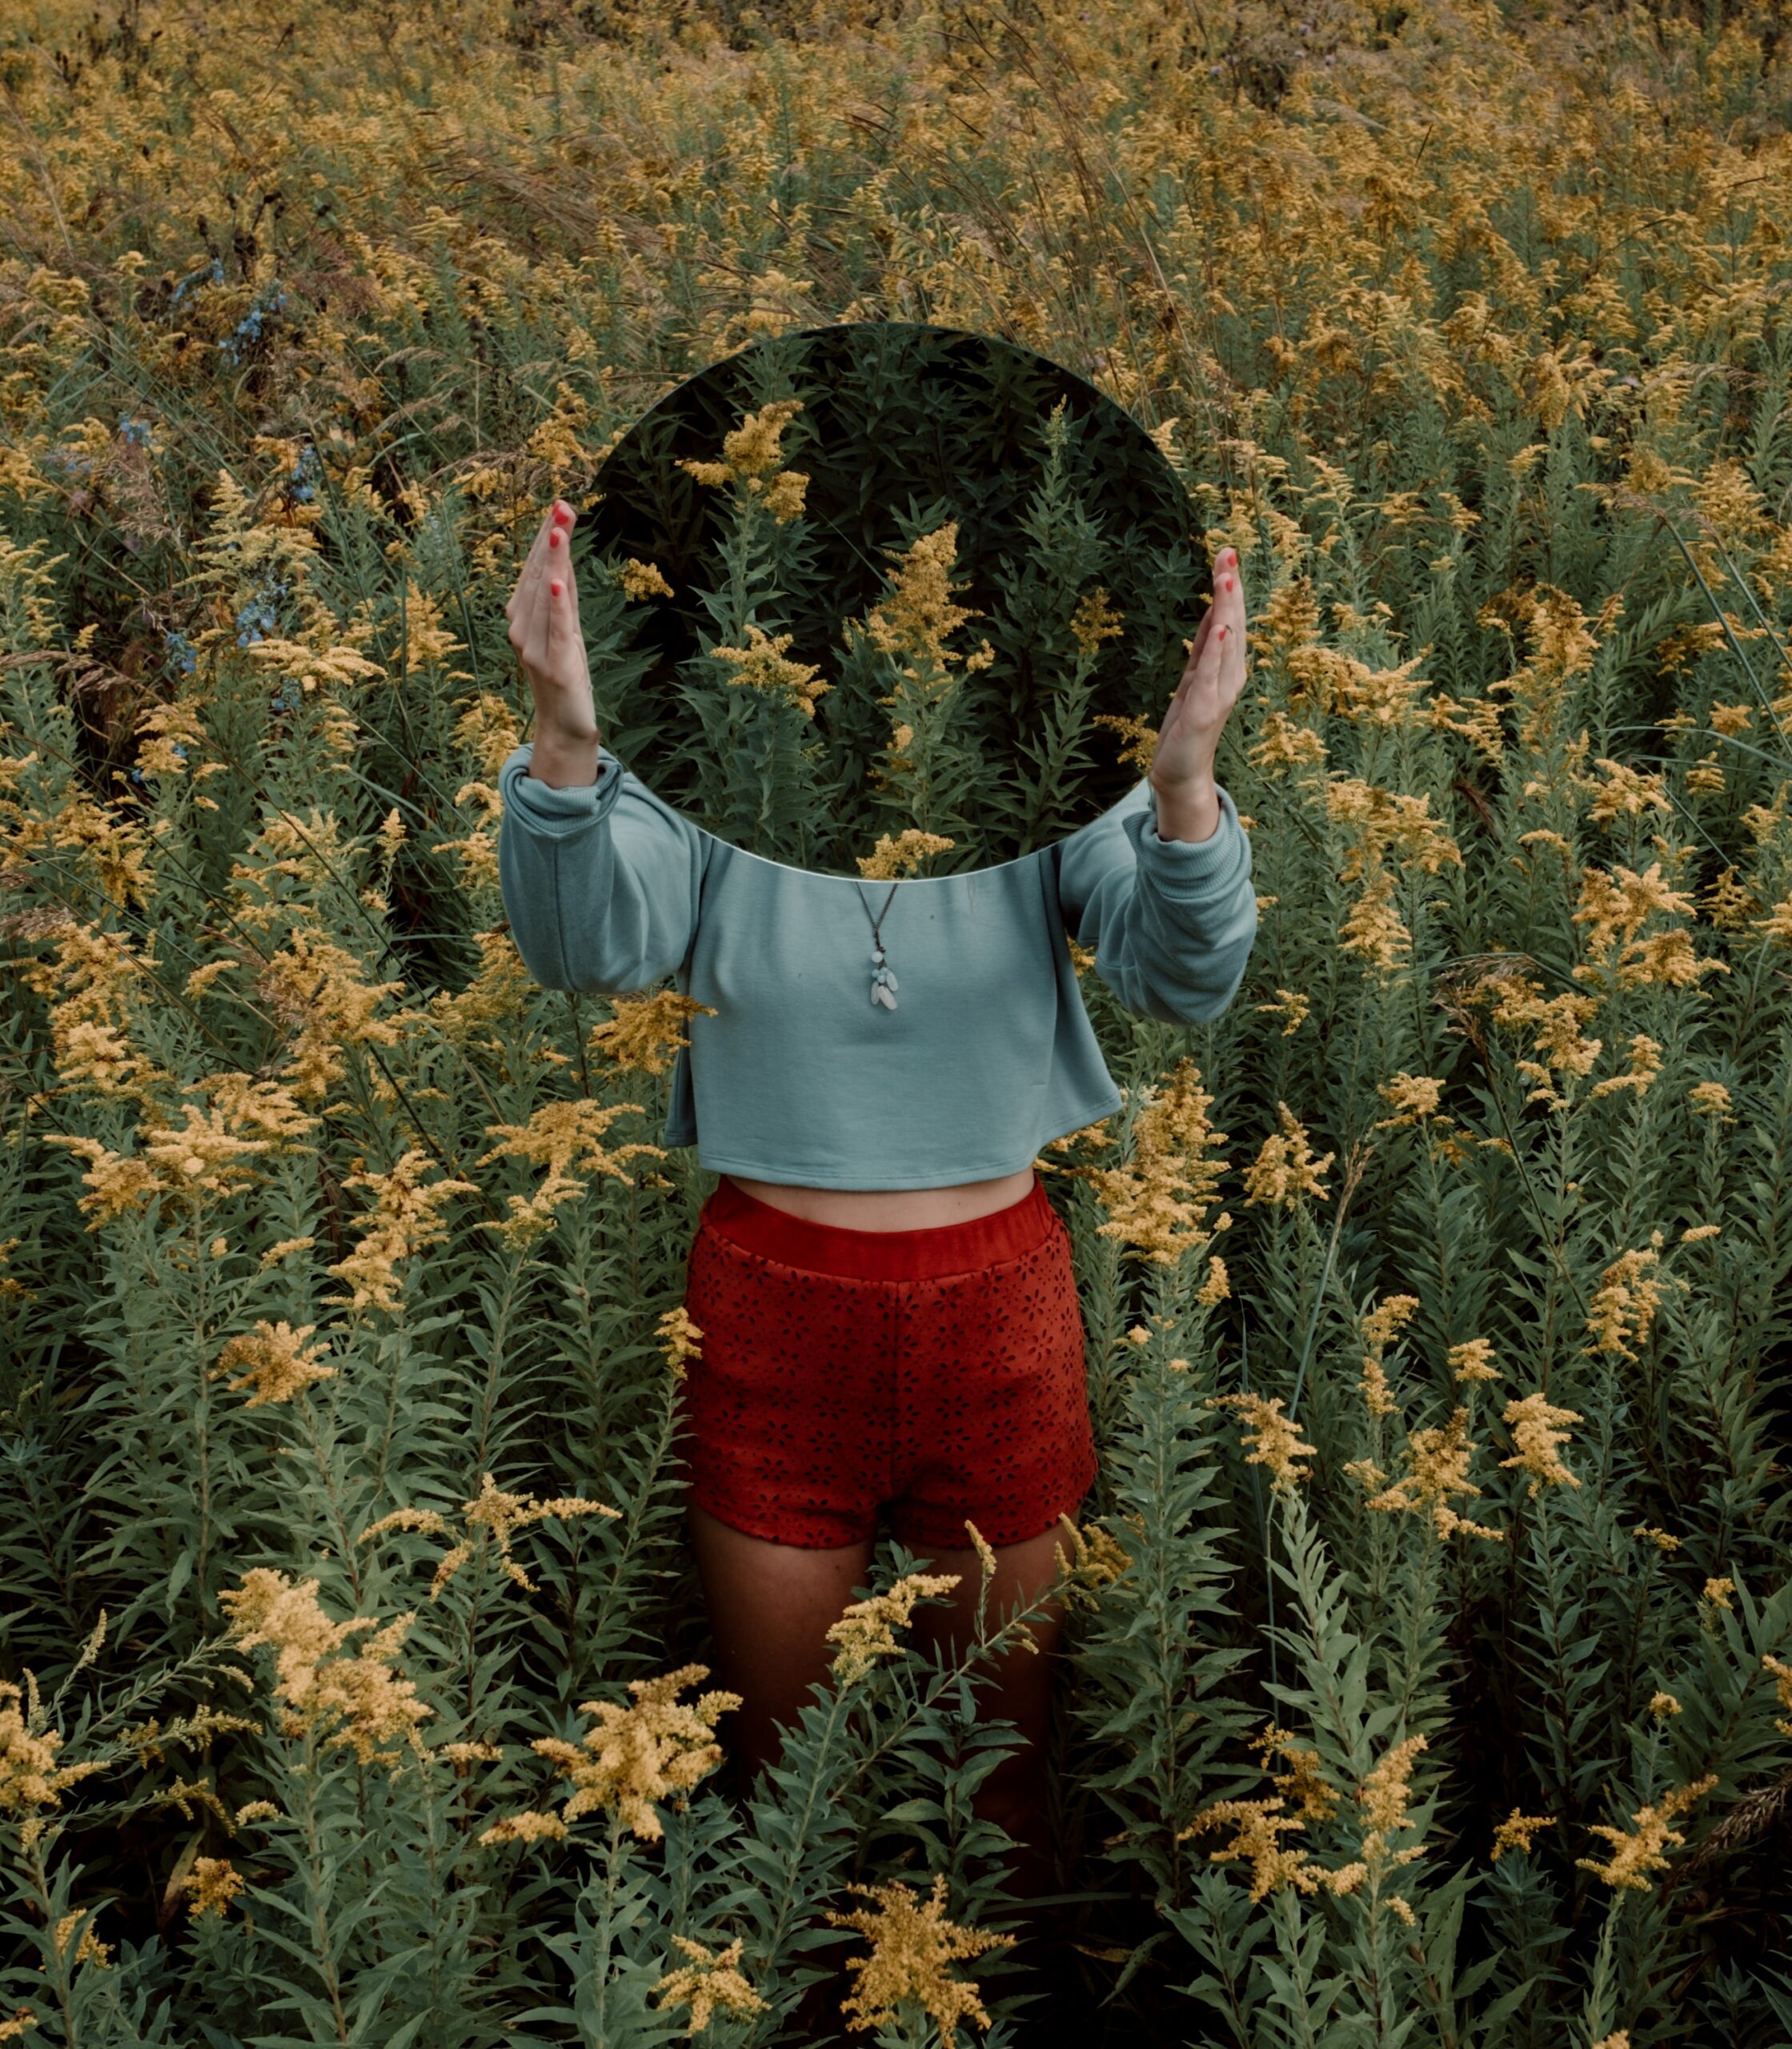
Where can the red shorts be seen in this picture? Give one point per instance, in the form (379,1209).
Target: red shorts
(936,1373)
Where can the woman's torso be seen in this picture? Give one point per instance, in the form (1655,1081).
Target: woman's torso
(891,1208)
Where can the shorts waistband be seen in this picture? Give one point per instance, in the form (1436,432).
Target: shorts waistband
(834,1249)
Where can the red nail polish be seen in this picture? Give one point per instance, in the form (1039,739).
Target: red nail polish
(1222,633)
(1228,583)
(554,538)
(557,587)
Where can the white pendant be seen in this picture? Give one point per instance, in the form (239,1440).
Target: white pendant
(880,993)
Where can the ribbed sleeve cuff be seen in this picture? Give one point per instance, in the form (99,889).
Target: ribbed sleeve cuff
(548,810)
(1185,870)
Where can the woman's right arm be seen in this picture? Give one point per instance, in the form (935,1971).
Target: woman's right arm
(600,881)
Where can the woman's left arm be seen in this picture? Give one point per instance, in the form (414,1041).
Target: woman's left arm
(1162,893)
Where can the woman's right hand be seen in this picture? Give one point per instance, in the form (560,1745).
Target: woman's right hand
(544,630)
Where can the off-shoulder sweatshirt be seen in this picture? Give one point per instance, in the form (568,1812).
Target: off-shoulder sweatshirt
(799,1076)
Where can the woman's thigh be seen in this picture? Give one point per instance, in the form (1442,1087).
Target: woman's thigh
(770,1608)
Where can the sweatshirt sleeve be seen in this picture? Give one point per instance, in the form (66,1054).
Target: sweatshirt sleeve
(600,881)
(1172,921)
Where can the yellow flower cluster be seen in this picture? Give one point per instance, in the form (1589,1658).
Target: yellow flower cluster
(901,855)
(913,1944)
(1158,1202)
(404,1220)
(566,1138)
(866,1631)
(1438,1463)
(1625,1301)
(355,1699)
(497,1512)
(276,1360)
(709,1983)
(751,454)
(1271,1438)
(1286,1169)
(642,1034)
(765,664)
(680,1338)
(656,1749)
(1536,1427)
(1640,1850)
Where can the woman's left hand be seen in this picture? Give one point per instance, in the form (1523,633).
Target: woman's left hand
(1182,778)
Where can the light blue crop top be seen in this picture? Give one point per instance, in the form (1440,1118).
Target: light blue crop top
(800,1077)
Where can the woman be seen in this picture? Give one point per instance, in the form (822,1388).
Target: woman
(889,1316)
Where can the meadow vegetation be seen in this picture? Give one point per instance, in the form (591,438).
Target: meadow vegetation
(1430,1671)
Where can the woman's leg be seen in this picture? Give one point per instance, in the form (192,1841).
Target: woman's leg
(770,1607)
(1014,1794)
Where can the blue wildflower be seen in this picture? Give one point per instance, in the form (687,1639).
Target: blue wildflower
(212,274)
(266,302)
(302,485)
(181,649)
(135,431)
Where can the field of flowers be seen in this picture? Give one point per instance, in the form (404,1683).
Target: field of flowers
(1430,1673)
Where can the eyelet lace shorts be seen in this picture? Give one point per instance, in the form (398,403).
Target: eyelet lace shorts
(937,1374)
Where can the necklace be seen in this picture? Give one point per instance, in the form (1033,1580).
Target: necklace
(883,983)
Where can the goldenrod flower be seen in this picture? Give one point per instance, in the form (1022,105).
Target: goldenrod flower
(1095,1559)
(1661,1704)
(1095,620)
(566,1137)
(658,1748)
(492,1510)
(315,989)
(278,1361)
(643,579)
(1272,1438)
(904,853)
(211,1885)
(1281,744)
(911,1945)
(1782,1680)
(353,1699)
(1717,1593)
(764,664)
(1139,740)
(528,1826)
(1438,1460)
(1625,1301)
(1257,1825)
(916,615)
(643,1032)
(1413,1097)
(30,1776)
(1640,1850)
(1300,1779)
(1473,1360)
(1644,1065)
(680,1339)
(1515,1831)
(709,1983)
(1535,1425)
(1290,1005)
(90,1949)
(1286,1168)
(865,1632)
(1159,1202)
(1710,1099)
(403,1221)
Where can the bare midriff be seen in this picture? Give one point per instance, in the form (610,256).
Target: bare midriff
(891,1208)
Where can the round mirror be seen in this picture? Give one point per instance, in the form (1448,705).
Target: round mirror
(887,599)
